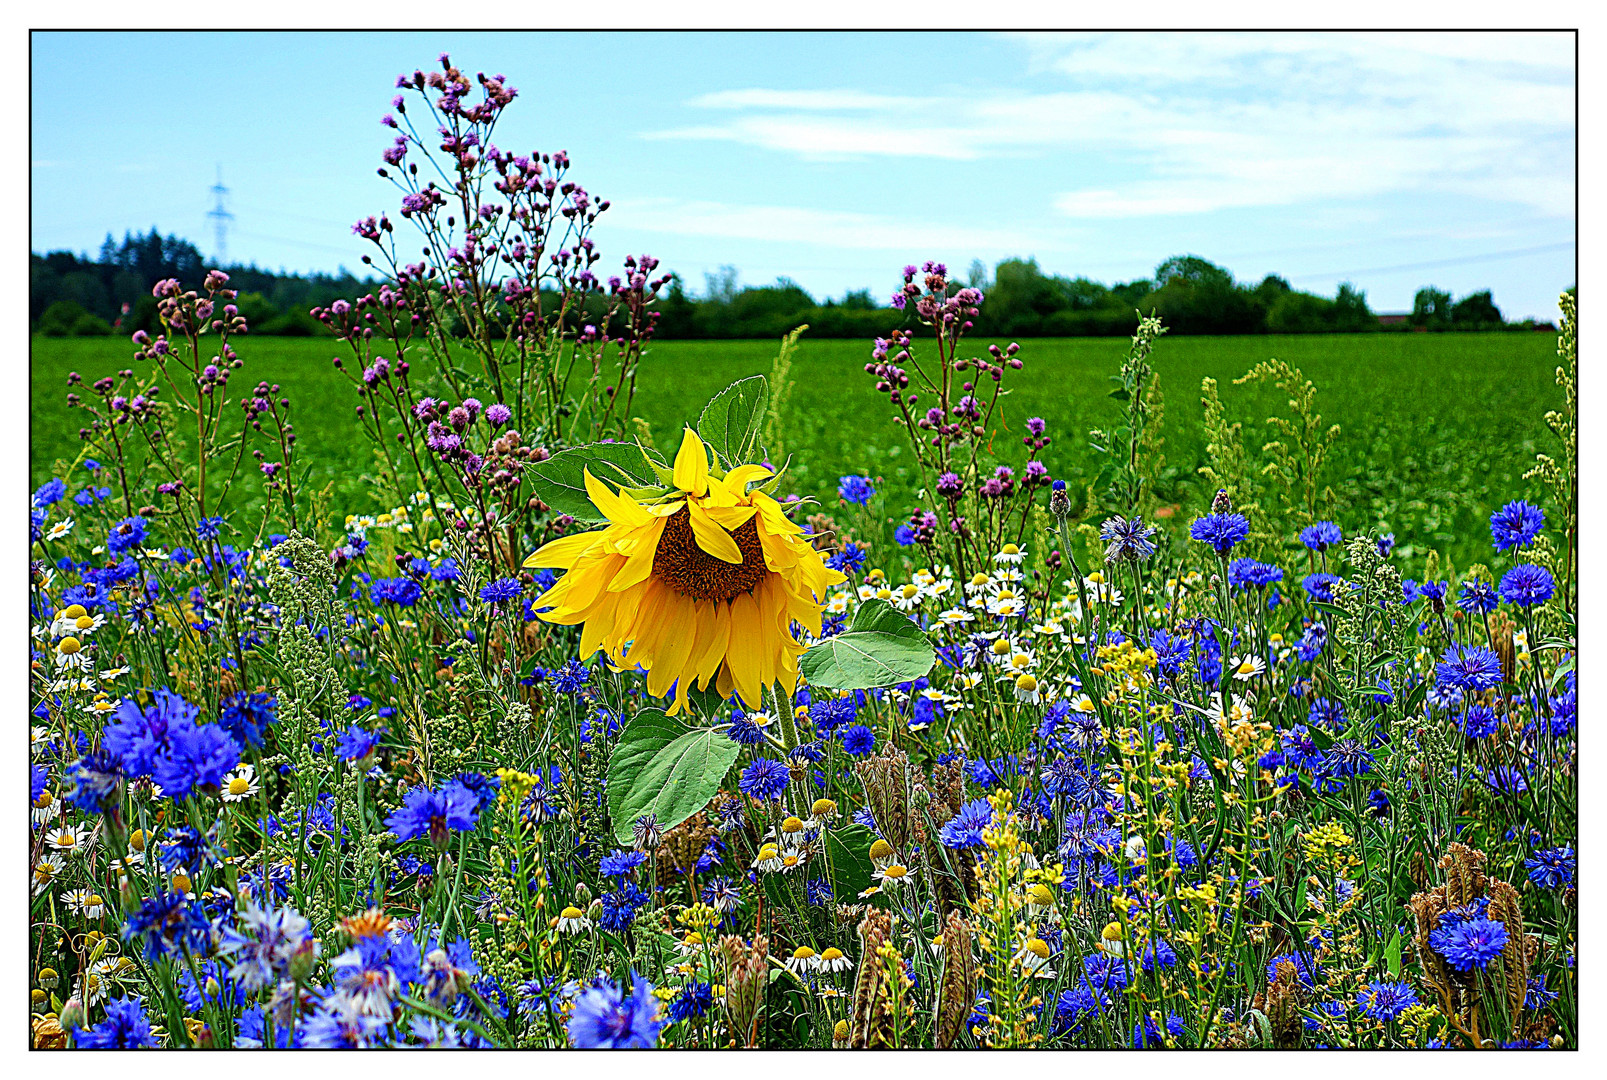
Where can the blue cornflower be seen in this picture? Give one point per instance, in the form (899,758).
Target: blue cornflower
(1250,574)
(1526,585)
(501,591)
(1470,943)
(1515,525)
(1171,652)
(342,1022)
(859,740)
(1299,751)
(1320,586)
(126,1027)
(1507,779)
(571,677)
(620,864)
(138,736)
(169,923)
(1127,540)
(1378,803)
(743,730)
(1312,642)
(1472,669)
(1326,713)
(127,533)
(95,778)
(850,559)
(1347,757)
(1221,531)
(903,536)
(1477,597)
(1303,970)
(1064,776)
(1158,952)
(261,942)
(1479,722)
(356,743)
(830,713)
(1554,867)
(50,492)
(1386,1000)
(964,829)
(1072,1008)
(1321,536)
(38,780)
(446,570)
(198,756)
(604,1018)
(403,592)
(208,528)
(855,489)
(429,813)
(247,716)
(765,778)
(690,1001)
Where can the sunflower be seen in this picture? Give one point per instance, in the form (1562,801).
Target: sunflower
(703,585)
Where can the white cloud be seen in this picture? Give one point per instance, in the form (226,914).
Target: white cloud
(1191,123)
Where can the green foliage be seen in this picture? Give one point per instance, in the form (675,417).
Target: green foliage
(733,420)
(560,480)
(660,767)
(882,647)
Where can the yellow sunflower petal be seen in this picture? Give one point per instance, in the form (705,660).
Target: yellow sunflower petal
(740,477)
(640,563)
(561,553)
(711,538)
(692,465)
(742,655)
(731,518)
(615,507)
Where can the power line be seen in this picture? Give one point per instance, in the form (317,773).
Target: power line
(1436,264)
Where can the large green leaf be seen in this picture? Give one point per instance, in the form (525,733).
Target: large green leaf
(848,848)
(663,768)
(733,418)
(560,482)
(881,648)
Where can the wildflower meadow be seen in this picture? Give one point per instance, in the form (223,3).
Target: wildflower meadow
(555,729)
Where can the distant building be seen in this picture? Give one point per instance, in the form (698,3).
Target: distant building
(1394,318)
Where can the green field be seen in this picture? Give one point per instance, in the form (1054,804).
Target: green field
(1438,429)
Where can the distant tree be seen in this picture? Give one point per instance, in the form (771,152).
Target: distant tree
(1431,307)
(977,276)
(1195,296)
(1475,310)
(1350,310)
(858,300)
(720,287)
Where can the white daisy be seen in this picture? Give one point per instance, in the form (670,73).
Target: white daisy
(45,872)
(803,960)
(956,617)
(60,529)
(241,784)
(833,960)
(1010,555)
(894,874)
(571,920)
(88,904)
(1247,667)
(67,838)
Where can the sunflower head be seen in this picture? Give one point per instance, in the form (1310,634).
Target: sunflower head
(699,580)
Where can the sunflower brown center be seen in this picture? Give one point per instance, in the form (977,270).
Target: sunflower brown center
(691,571)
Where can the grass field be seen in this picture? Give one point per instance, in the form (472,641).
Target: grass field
(1437,429)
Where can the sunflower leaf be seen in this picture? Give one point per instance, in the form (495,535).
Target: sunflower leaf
(881,648)
(733,418)
(561,484)
(662,767)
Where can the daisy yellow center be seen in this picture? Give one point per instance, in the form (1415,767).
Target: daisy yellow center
(832,954)
(792,825)
(1039,948)
(84,622)
(909,590)
(239,786)
(1000,647)
(803,952)
(1011,549)
(1246,667)
(1026,683)
(691,571)
(979,579)
(571,912)
(895,872)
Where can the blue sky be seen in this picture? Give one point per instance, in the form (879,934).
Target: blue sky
(1392,161)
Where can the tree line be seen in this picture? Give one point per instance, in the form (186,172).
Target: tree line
(73,295)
